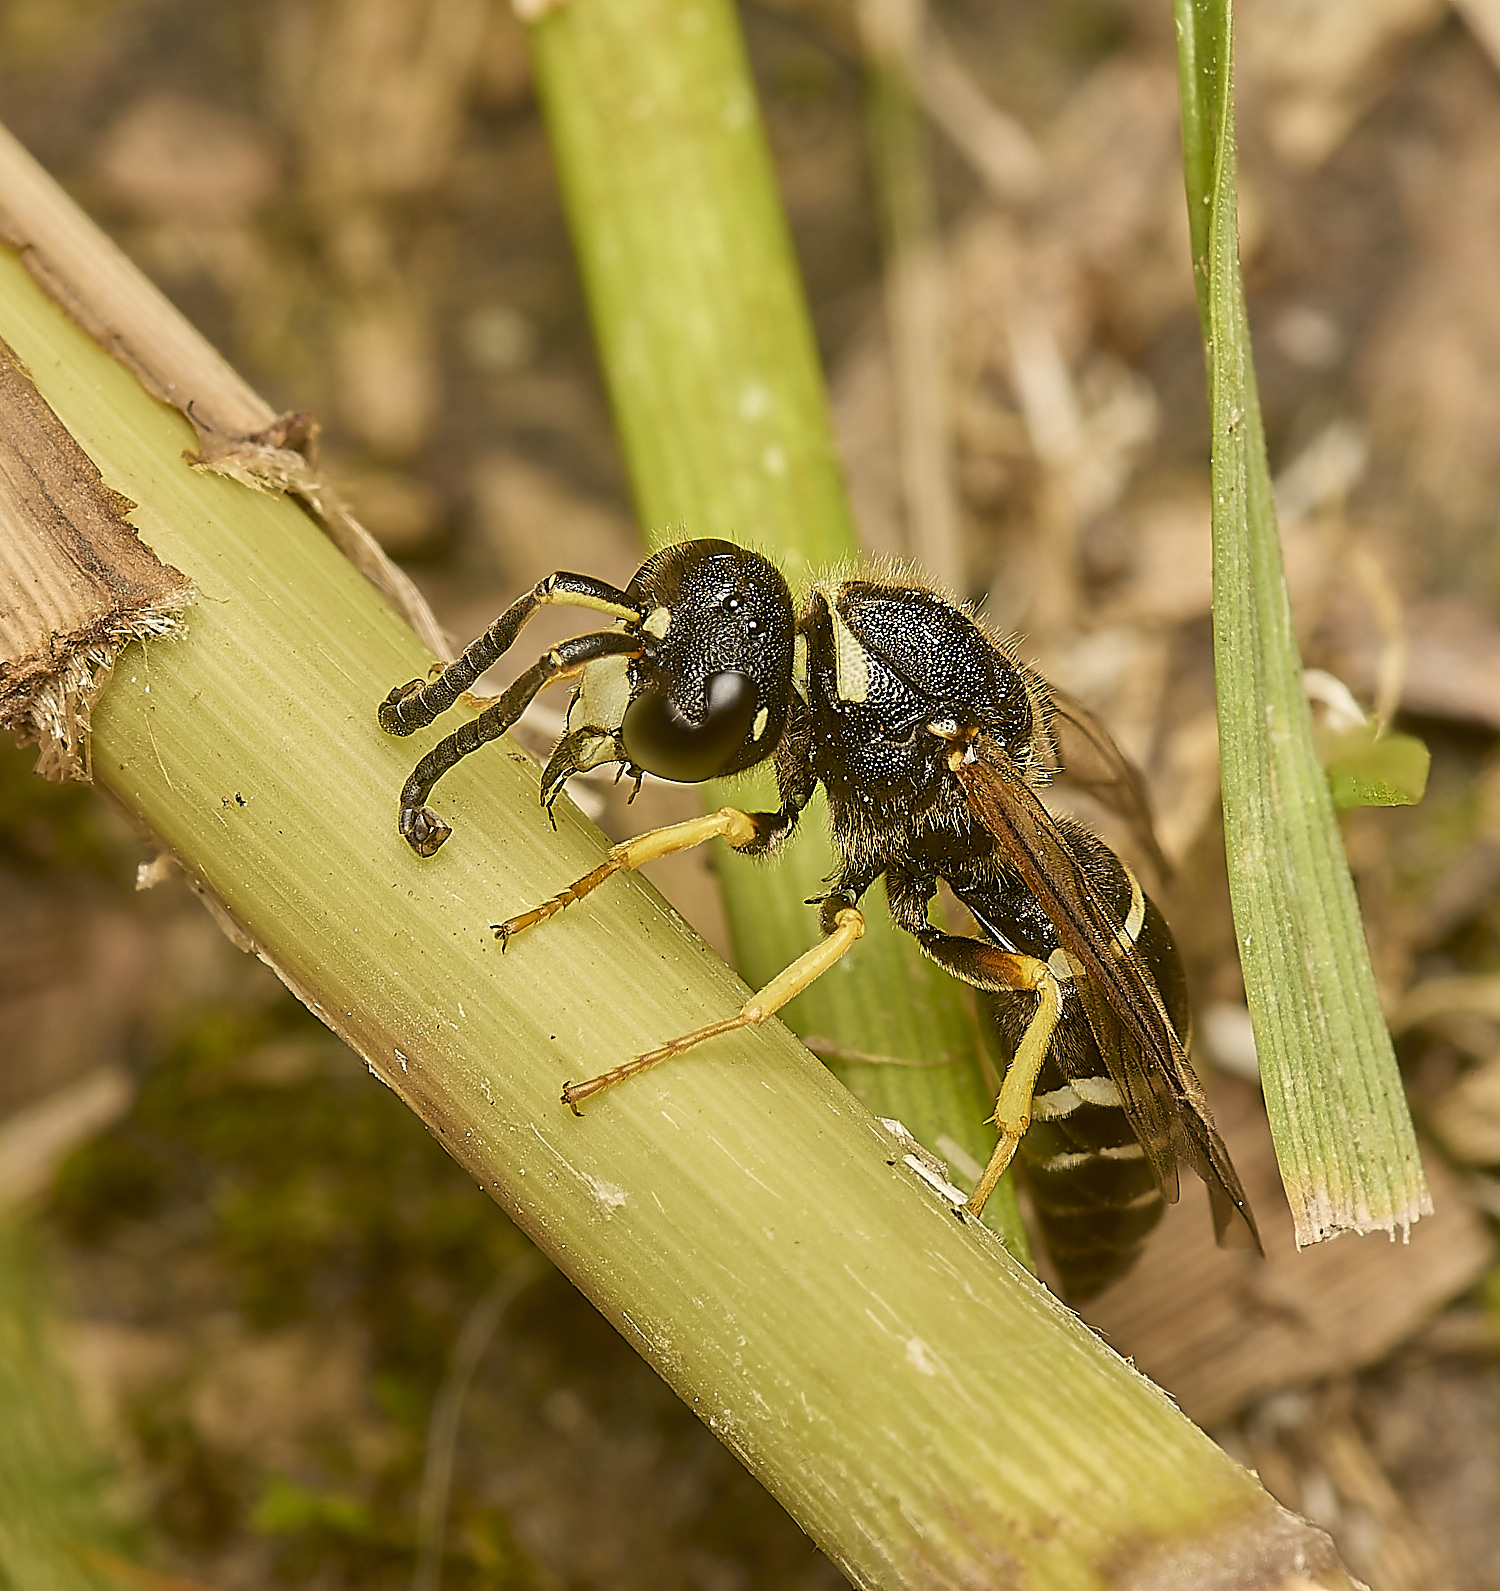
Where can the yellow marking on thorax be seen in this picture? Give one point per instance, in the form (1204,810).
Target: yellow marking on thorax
(1136,919)
(851,667)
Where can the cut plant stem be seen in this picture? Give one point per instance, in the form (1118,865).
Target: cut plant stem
(740,1218)
(920,1404)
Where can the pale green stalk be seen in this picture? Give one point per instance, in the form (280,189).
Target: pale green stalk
(713,373)
(925,1410)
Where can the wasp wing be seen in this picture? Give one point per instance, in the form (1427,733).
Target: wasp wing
(1148,1098)
(1090,760)
(1125,1010)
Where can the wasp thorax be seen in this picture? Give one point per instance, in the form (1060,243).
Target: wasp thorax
(662,739)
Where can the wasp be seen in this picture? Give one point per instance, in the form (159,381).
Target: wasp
(932,741)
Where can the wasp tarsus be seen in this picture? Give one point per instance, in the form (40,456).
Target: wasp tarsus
(931,740)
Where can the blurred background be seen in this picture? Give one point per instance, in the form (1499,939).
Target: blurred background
(262,1274)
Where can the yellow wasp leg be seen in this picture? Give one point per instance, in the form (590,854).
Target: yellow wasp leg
(786,985)
(728,823)
(1013,1108)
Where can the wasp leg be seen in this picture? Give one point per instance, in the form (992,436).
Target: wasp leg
(986,966)
(1013,1108)
(414,705)
(736,828)
(786,985)
(422,828)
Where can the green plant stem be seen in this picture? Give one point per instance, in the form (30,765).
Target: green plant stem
(717,391)
(1344,1136)
(915,282)
(927,1412)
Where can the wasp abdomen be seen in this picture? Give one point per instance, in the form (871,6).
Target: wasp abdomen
(1093,1191)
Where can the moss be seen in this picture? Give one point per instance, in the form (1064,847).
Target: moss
(47,827)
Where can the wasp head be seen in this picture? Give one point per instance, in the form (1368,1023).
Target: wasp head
(709,694)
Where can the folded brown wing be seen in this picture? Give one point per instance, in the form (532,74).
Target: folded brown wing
(1130,1024)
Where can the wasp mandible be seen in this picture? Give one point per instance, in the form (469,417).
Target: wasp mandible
(931,740)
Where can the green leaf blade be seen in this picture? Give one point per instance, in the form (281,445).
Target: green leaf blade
(1338,1113)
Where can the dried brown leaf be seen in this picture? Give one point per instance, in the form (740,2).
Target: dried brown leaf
(1218,1328)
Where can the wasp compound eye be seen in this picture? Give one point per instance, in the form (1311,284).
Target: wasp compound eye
(661,740)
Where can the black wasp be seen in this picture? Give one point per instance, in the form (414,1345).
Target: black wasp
(931,740)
